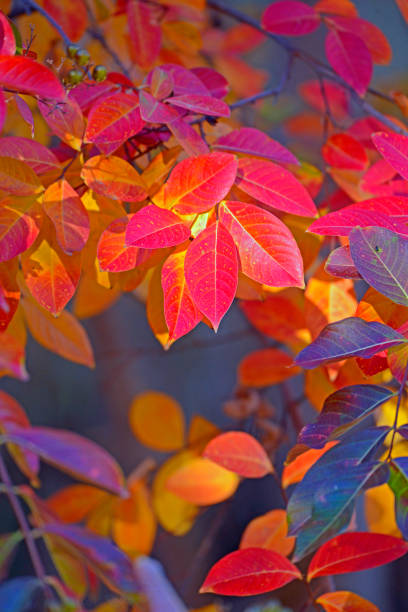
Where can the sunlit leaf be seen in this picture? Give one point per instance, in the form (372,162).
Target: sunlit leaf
(33,153)
(239,452)
(352,552)
(113,177)
(66,121)
(250,571)
(211,271)
(345,601)
(153,227)
(23,74)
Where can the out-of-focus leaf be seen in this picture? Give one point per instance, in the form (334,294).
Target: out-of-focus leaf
(343,151)
(133,522)
(341,411)
(23,594)
(351,337)
(269,531)
(345,601)
(157,420)
(144,32)
(249,571)
(349,57)
(373,37)
(266,367)
(290,18)
(108,562)
(202,482)
(399,485)
(380,256)
(239,452)
(72,453)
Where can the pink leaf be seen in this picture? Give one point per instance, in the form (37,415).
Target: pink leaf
(394,149)
(290,18)
(205,105)
(250,141)
(350,58)
(267,250)
(156,228)
(25,75)
(274,186)
(211,269)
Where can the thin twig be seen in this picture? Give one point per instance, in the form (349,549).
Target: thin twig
(22,521)
(397,408)
(31,4)
(321,69)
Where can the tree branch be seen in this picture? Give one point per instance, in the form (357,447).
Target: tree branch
(321,69)
(31,4)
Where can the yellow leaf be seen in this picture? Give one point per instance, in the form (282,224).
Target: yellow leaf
(134,524)
(157,420)
(173,513)
(269,531)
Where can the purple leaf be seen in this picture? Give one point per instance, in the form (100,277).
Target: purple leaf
(350,337)
(381,257)
(111,565)
(340,264)
(73,454)
(341,411)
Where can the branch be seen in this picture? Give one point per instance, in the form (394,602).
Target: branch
(31,4)
(22,521)
(321,69)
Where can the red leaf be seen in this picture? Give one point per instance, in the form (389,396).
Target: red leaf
(265,367)
(113,254)
(65,121)
(155,228)
(144,32)
(112,121)
(394,149)
(9,293)
(268,252)
(251,141)
(215,82)
(69,216)
(344,151)
(211,269)
(337,97)
(370,34)
(7,39)
(33,153)
(352,552)
(290,18)
(250,571)
(73,454)
(274,186)
(196,184)
(71,15)
(180,311)
(25,75)
(3,109)
(205,105)
(350,58)
(239,452)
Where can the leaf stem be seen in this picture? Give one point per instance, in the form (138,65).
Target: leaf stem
(24,526)
(397,408)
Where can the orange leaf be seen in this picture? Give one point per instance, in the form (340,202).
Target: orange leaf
(65,121)
(295,471)
(113,177)
(18,178)
(134,524)
(64,336)
(266,367)
(269,531)
(19,226)
(74,503)
(69,216)
(345,601)
(239,452)
(203,482)
(51,275)
(157,420)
